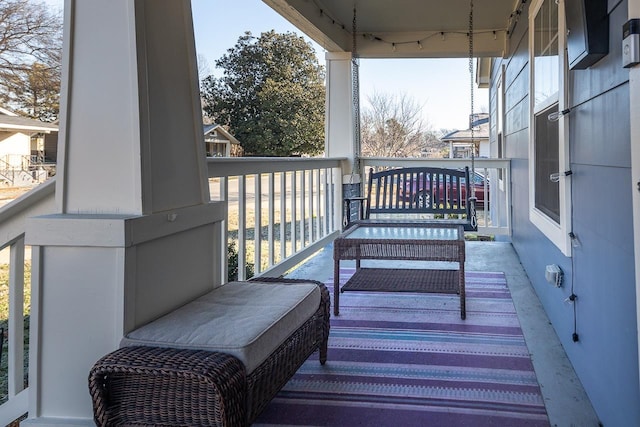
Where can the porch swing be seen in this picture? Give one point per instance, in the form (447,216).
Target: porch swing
(447,195)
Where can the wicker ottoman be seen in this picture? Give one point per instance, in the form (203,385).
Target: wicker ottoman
(172,386)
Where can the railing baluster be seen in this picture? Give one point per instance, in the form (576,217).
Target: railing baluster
(303,209)
(270,237)
(242,220)
(16,318)
(485,189)
(336,199)
(319,205)
(294,200)
(224,244)
(283,215)
(334,212)
(257,223)
(310,199)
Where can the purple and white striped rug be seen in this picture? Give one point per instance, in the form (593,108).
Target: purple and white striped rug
(404,359)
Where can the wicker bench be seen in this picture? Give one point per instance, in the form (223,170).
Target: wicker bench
(440,193)
(184,382)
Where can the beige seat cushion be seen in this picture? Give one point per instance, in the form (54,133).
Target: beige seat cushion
(248,320)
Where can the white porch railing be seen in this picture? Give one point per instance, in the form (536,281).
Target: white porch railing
(280,210)
(39,201)
(293,217)
(493,217)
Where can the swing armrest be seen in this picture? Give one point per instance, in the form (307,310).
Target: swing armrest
(348,201)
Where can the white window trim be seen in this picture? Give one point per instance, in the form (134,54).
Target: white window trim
(557,233)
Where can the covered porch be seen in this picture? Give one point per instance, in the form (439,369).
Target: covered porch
(288,231)
(106,254)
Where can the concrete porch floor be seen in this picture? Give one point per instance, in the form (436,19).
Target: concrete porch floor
(566,402)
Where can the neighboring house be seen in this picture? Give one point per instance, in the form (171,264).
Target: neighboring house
(460,142)
(220,143)
(23,148)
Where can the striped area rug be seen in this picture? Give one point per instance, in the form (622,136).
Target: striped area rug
(403,359)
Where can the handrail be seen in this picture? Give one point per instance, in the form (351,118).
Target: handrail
(230,166)
(448,163)
(38,201)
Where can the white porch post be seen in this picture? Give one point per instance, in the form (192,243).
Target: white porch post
(134,234)
(340,125)
(339,132)
(634,105)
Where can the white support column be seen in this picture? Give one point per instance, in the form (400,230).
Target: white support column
(340,125)
(634,106)
(339,136)
(134,235)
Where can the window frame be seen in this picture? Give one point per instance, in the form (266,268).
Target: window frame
(556,233)
(500,116)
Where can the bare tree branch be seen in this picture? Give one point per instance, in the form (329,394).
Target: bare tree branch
(30,57)
(392,126)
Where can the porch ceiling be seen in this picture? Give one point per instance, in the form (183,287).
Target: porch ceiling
(404,28)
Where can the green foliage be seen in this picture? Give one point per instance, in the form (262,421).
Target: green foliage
(4,323)
(4,292)
(271,96)
(232,266)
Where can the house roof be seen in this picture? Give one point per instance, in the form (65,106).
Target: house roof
(9,121)
(215,127)
(4,111)
(480,132)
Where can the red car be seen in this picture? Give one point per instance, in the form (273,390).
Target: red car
(420,190)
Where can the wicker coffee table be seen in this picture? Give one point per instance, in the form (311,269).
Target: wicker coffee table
(412,241)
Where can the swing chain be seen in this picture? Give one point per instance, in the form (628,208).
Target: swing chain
(355,83)
(471,80)
(471,185)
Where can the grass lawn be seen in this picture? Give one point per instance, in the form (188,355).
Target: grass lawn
(4,323)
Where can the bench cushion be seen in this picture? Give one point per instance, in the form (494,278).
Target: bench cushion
(248,320)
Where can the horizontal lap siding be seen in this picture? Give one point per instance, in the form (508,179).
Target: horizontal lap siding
(606,357)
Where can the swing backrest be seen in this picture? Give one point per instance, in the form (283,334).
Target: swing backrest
(425,193)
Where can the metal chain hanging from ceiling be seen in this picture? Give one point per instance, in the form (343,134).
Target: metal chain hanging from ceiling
(471,81)
(355,87)
(471,185)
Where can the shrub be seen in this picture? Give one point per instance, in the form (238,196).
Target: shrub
(232,264)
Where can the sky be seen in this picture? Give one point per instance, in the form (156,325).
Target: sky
(441,86)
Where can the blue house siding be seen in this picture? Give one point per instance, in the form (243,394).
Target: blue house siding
(602,267)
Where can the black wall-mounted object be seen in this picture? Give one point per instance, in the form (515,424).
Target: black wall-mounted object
(631,43)
(588,32)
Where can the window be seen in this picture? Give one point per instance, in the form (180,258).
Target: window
(550,202)
(547,195)
(500,124)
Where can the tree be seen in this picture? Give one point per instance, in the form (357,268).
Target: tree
(30,58)
(392,126)
(36,92)
(271,95)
